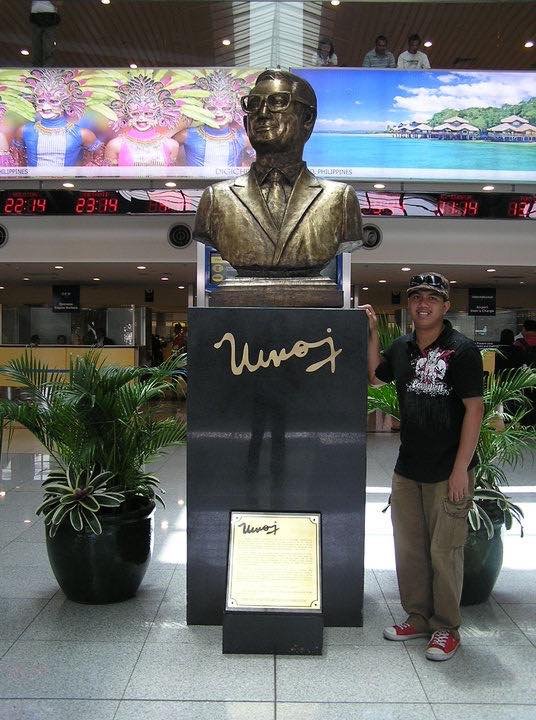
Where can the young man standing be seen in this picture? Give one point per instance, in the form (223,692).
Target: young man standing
(438,375)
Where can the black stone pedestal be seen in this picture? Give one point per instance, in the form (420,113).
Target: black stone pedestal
(272,633)
(284,430)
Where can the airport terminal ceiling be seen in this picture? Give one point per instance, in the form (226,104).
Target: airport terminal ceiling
(168,33)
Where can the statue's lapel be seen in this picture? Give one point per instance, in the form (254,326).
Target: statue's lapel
(246,188)
(305,190)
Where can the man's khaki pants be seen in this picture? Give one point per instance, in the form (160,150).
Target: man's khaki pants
(429,532)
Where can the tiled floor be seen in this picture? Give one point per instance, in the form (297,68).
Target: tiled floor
(139,659)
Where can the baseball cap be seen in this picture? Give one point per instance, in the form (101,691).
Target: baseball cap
(429,281)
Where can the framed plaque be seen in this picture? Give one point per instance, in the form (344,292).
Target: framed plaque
(274,562)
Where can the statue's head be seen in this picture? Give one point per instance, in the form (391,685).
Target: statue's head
(280,112)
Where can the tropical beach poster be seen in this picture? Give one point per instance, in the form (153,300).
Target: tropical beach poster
(423,125)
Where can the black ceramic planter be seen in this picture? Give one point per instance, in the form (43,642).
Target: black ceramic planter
(482,565)
(109,567)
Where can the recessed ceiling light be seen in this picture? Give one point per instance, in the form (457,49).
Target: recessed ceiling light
(226,41)
(96,279)
(521,282)
(2,493)
(491,270)
(379,186)
(133,66)
(405,269)
(529,44)
(428,43)
(141,267)
(488,188)
(382,281)
(180,287)
(335,2)
(165,277)
(453,282)
(105,2)
(364,288)
(68,185)
(58,267)
(2,287)
(24,52)
(171,184)
(25,278)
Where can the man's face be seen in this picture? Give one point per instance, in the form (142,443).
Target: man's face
(270,129)
(381,47)
(413,46)
(427,309)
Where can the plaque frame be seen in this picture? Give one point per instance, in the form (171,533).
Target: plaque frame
(315,607)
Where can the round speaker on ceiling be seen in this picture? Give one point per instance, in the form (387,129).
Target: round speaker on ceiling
(180,236)
(3,235)
(372,236)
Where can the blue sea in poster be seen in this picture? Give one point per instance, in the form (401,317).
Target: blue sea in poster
(360,112)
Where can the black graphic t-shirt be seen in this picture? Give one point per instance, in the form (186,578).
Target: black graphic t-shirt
(431,385)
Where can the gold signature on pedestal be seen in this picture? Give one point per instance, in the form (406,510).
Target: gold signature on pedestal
(276,357)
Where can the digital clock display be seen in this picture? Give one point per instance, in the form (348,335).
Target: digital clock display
(158,202)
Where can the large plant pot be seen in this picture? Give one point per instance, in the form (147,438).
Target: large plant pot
(109,567)
(482,565)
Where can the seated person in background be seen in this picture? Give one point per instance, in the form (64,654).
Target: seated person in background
(525,348)
(506,357)
(35,340)
(325,53)
(61,340)
(102,339)
(179,338)
(528,339)
(413,58)
(379,56)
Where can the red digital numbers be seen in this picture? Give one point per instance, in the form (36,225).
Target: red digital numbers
(520,208)
(458,207)
(96,205)
(25,205)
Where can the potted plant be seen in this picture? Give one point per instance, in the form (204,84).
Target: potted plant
(100,426)
(502,443)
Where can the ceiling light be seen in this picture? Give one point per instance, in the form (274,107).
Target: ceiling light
(133,66)
(180,287)
(491,270)
(141,267)
(96,279)
(453,282)
(521,282)
(335,2)
(382,281)
(488,188)
(171,184)
(105,2)
(25,278)
(165,277)
(58,267)
(529,44)
(24,52)
(3,493)
(405,269)
(226,41)
(2,287)
(428,43)
(364,288)
(68,185)
(379,186)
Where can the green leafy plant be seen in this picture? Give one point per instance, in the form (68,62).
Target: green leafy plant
(503,442)
(100,425)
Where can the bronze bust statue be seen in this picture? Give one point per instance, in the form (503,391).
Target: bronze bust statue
(279,220)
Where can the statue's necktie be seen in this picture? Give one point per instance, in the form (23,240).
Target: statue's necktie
(276,199)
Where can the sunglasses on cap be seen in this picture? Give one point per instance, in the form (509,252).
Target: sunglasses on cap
(275,102)
(430,280)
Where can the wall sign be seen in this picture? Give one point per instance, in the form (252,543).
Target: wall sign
(66,298)
(482,301)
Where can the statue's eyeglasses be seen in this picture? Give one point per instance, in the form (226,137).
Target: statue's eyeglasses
(275,102)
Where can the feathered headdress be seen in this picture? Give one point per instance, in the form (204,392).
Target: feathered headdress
(142,89)
(59,85)
(229,85)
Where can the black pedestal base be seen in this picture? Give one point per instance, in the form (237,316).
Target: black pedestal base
(271,633)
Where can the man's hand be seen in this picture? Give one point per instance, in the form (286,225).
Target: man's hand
(458,485)
(372,317)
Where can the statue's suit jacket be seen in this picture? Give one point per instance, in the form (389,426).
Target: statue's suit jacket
(322,218)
